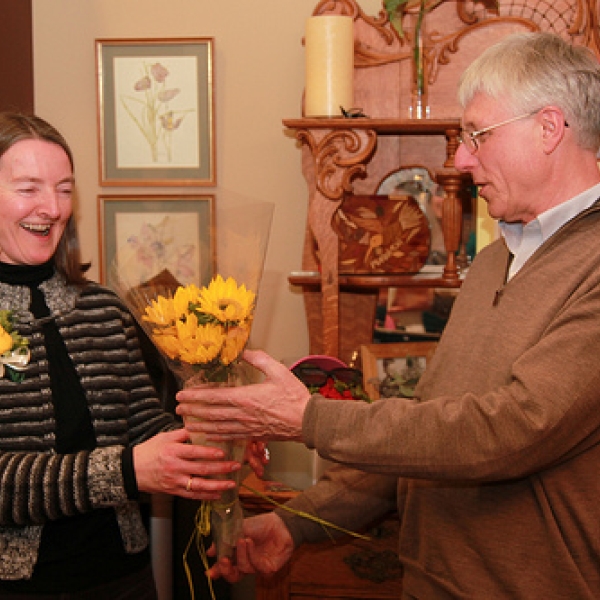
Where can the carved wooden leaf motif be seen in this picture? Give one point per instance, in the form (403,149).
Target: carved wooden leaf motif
(381,234)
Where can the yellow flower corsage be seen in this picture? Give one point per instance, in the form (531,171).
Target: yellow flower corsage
(14,353)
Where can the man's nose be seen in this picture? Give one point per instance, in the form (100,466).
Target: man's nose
(463,159)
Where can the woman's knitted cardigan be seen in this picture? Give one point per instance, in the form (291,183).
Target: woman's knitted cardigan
(38,485)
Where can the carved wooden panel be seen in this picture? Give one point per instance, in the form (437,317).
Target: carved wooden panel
(455,33)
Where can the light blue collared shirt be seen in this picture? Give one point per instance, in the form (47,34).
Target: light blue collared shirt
(523,240)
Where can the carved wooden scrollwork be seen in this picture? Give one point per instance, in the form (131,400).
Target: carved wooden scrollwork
(563,17)
(574,20)
(340,156)
(440,47)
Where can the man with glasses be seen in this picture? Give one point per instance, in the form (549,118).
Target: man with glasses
(495,471)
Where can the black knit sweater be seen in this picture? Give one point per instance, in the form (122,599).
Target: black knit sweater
(66,434)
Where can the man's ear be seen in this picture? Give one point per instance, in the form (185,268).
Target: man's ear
(554,126)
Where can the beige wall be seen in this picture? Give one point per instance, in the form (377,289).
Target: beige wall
(259,79)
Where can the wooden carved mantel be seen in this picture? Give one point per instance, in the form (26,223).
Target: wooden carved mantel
(340,153)
(353,155)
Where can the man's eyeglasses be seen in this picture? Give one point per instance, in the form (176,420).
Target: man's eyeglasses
(312,376)
(471,139)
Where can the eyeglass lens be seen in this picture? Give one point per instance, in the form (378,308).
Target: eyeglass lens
(469,142)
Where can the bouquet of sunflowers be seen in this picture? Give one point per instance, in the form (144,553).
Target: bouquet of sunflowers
(201,329)
(205,328)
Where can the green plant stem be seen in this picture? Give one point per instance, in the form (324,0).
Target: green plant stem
(418,50)
(305,515)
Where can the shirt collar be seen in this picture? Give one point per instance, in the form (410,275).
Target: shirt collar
(548,222)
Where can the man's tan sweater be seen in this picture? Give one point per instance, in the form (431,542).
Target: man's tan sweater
(496,471)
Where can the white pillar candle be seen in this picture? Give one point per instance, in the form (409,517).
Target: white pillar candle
(329,65)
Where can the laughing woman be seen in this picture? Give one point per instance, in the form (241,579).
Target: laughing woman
(82,431)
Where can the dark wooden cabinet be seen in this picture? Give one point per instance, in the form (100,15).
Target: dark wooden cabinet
(346,568)
(16,56)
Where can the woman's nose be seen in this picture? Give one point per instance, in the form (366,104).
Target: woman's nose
(50,204)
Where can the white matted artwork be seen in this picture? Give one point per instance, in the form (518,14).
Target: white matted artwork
(156,111)
(147,235)
(172,138)
(394,369)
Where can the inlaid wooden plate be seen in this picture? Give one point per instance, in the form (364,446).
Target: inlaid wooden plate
(381,234)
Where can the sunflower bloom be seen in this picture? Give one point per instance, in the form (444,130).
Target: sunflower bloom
(226,301)
(203,327)
(199,345)
(168,343)
(160,312)
(183,298)
(234,343)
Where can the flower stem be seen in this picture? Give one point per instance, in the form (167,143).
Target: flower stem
(305,515)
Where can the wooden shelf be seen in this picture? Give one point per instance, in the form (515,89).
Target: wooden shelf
(372,281)
(381,126)
(339,155)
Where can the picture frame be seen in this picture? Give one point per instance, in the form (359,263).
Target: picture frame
(155,103)
(147,234)
(374,357)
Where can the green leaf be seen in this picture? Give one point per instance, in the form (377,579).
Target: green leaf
(394,12)
(15,376)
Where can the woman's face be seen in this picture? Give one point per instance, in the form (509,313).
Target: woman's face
(36,185)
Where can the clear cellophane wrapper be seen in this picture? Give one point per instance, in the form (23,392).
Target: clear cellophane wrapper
(220,275)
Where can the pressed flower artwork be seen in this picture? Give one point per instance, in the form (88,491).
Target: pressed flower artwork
(155,233)
(156,111)
(154,96)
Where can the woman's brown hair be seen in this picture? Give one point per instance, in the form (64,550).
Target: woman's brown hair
(15,128)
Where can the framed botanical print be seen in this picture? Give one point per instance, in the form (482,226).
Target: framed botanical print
(156,112)
(151,234)
(394,369)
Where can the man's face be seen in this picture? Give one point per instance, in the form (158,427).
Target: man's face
(506,164)
(36,183)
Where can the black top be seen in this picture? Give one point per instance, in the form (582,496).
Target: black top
(84,550)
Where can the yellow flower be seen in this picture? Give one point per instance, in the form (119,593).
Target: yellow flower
(6,341)
(234,343)
(208,326)
(184,296)
(168,342)
(199,345)
(226,301)
(161,312)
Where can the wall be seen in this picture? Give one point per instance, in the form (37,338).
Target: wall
(259,79)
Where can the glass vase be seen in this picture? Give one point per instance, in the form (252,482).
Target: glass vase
(419,106)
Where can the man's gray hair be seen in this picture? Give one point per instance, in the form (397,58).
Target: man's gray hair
(529,71)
